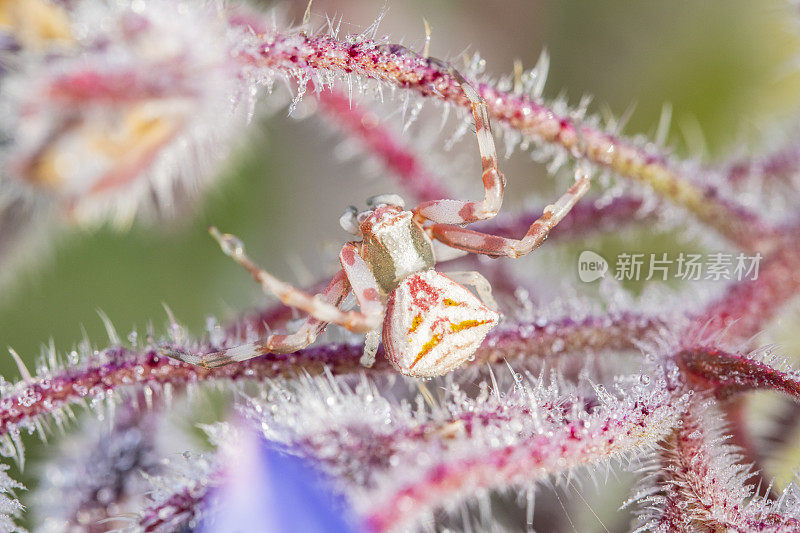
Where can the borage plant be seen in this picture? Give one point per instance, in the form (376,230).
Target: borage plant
(115,109)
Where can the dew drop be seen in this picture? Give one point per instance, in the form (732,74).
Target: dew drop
(231,245)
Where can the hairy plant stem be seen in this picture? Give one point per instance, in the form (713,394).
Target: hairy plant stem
(120,367)
(727,373)
(588,441)
(307,57)
(695,475)
(379,142)
(748,305)
(180,508)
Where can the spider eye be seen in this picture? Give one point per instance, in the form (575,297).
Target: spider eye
(349,221)
(386,199)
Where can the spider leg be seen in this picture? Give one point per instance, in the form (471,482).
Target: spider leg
(333,294)
(481,284)
(368,294)
(442,252)
(322,308)
(314,305)
(492,245)
(461,211)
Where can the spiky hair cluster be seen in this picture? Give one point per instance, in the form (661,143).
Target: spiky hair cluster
(109,107)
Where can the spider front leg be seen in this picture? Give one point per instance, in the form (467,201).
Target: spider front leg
(465,212)
(323,308)
(368,294)
(314,305)
(492,245)
(312,327)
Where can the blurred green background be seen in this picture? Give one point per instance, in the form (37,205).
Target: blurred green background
(727,67)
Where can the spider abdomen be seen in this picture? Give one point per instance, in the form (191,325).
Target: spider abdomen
(433,324)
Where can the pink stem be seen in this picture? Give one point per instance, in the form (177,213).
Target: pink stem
(727,373)
(578,442)
(295,53)
(380,142)
(695,477)
(781,166)
(174,513)
(121,367)
(749,304)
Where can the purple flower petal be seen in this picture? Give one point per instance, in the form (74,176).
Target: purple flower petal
(267,490)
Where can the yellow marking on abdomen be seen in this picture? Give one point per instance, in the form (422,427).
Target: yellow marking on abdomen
(427,347)
(415,323)
(466,324)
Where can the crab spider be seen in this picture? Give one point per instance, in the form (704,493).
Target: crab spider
(430,323)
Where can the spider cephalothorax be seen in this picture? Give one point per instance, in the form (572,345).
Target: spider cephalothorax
(394,244)
(429,321)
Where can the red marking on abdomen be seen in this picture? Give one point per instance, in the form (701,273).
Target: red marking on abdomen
(423,295)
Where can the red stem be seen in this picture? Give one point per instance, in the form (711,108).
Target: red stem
(295,53)
(122,368)
(726,373)
(379,141)
(749,304)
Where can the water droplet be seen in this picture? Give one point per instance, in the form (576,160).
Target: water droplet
(231,245)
